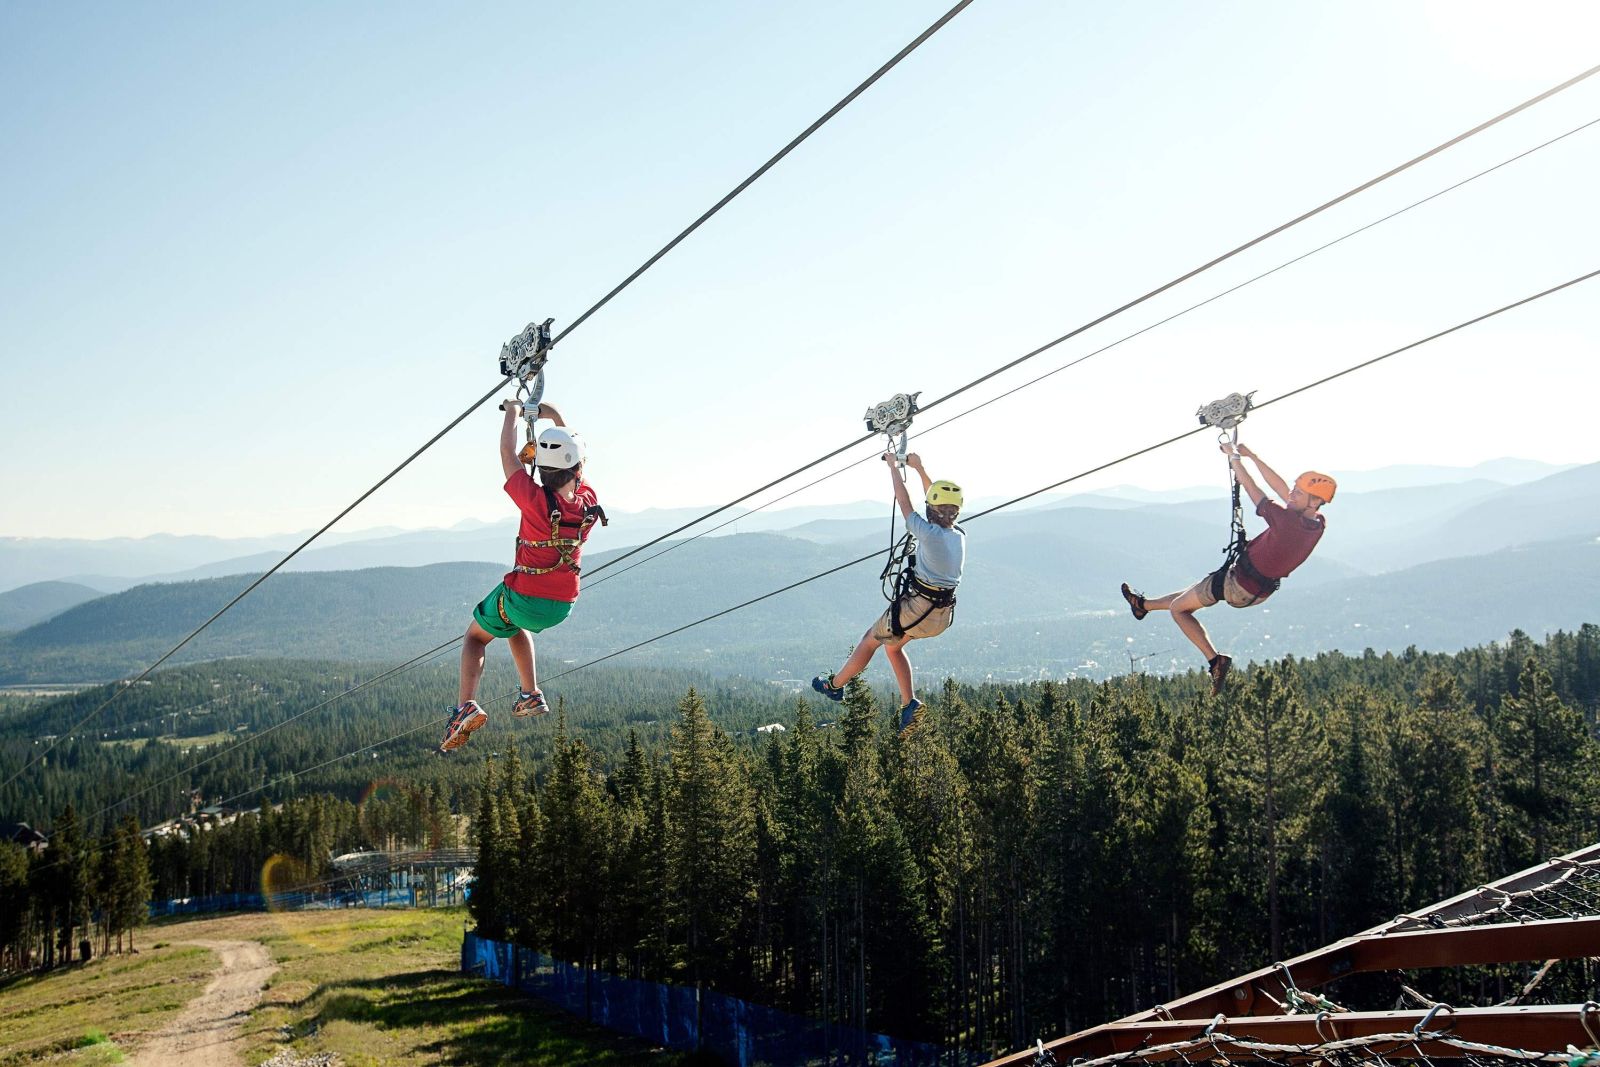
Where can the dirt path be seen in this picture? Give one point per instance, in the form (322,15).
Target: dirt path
(207,1033)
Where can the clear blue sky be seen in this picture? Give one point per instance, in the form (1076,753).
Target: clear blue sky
(253,255)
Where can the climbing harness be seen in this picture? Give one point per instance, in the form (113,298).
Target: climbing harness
(1225,415)
(523,358)
(892,418)
(566,547)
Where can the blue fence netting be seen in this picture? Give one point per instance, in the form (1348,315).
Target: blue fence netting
(738,1031)
(404,897)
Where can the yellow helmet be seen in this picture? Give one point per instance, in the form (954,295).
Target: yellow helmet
(945,493)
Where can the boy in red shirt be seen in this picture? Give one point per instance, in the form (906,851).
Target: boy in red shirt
(538,593)
(1293,530)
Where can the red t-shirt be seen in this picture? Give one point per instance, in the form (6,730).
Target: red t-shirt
(562,583)
(1282,546)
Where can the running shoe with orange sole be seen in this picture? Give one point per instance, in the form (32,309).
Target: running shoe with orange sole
(467,718)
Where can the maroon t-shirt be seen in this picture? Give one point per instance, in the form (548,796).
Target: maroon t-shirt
(1282,546)
(561,583)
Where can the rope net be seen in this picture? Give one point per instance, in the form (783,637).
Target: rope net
(1375,1050)
(1572,892)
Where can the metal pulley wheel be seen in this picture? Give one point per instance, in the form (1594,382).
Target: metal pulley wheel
(1227,413)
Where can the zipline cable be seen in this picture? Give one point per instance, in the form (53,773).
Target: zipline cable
(437,721)
(769,164)
(1341,198)
(500,383)
(1104,348)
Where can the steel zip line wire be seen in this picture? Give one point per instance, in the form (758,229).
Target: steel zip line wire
(500,383)
(1106,348)
(976,407)
(436,721)
(1341,198)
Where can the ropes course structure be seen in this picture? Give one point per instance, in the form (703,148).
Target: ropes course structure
(1550,912)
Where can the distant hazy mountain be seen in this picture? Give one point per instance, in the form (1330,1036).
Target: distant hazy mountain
(1507,470)
(1378,525)
(1040,595)
(29,604)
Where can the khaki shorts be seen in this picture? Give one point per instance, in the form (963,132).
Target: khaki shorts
(935,621)
(1235,594)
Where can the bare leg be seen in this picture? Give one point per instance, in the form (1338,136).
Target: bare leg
(521,646)
(1183,606)
(473,645)
(858,660)
(896,655)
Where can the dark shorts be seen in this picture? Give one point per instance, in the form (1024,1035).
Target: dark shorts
(503,612)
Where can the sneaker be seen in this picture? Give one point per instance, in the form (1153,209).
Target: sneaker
(826,687)
(1219,672)
(467,718)
(1135,602)
(908,714)
(529,704)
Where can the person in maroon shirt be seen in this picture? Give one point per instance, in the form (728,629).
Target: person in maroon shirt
(557,513)
(1293,530)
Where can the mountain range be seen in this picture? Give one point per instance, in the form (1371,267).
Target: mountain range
(1438,566)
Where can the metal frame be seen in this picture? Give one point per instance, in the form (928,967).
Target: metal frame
(1434,937)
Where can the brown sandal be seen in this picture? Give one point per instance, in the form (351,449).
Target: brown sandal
(1135,601)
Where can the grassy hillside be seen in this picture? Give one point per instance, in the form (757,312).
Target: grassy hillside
(372,987)
(90,1014)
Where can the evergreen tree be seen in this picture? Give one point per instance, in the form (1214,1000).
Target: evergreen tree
(710,849)
(1274,768)
(1543,747)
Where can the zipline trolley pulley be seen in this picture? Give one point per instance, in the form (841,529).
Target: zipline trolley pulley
(1225,415)
(892,418)
(523,358)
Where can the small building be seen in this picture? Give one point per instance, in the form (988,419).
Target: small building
(26,836)
(771,728)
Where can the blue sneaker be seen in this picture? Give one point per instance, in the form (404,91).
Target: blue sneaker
(826,687)
(908,714)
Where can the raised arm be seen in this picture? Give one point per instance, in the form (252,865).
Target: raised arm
(1277,484)
(548,411)
(1247,483)
(914,461)
(901,497)
(509,462)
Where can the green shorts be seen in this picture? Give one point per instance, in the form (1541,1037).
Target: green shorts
(504,612)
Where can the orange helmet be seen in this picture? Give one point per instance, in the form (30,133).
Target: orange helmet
(1321,486)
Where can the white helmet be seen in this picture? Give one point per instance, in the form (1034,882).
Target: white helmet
(559,448)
